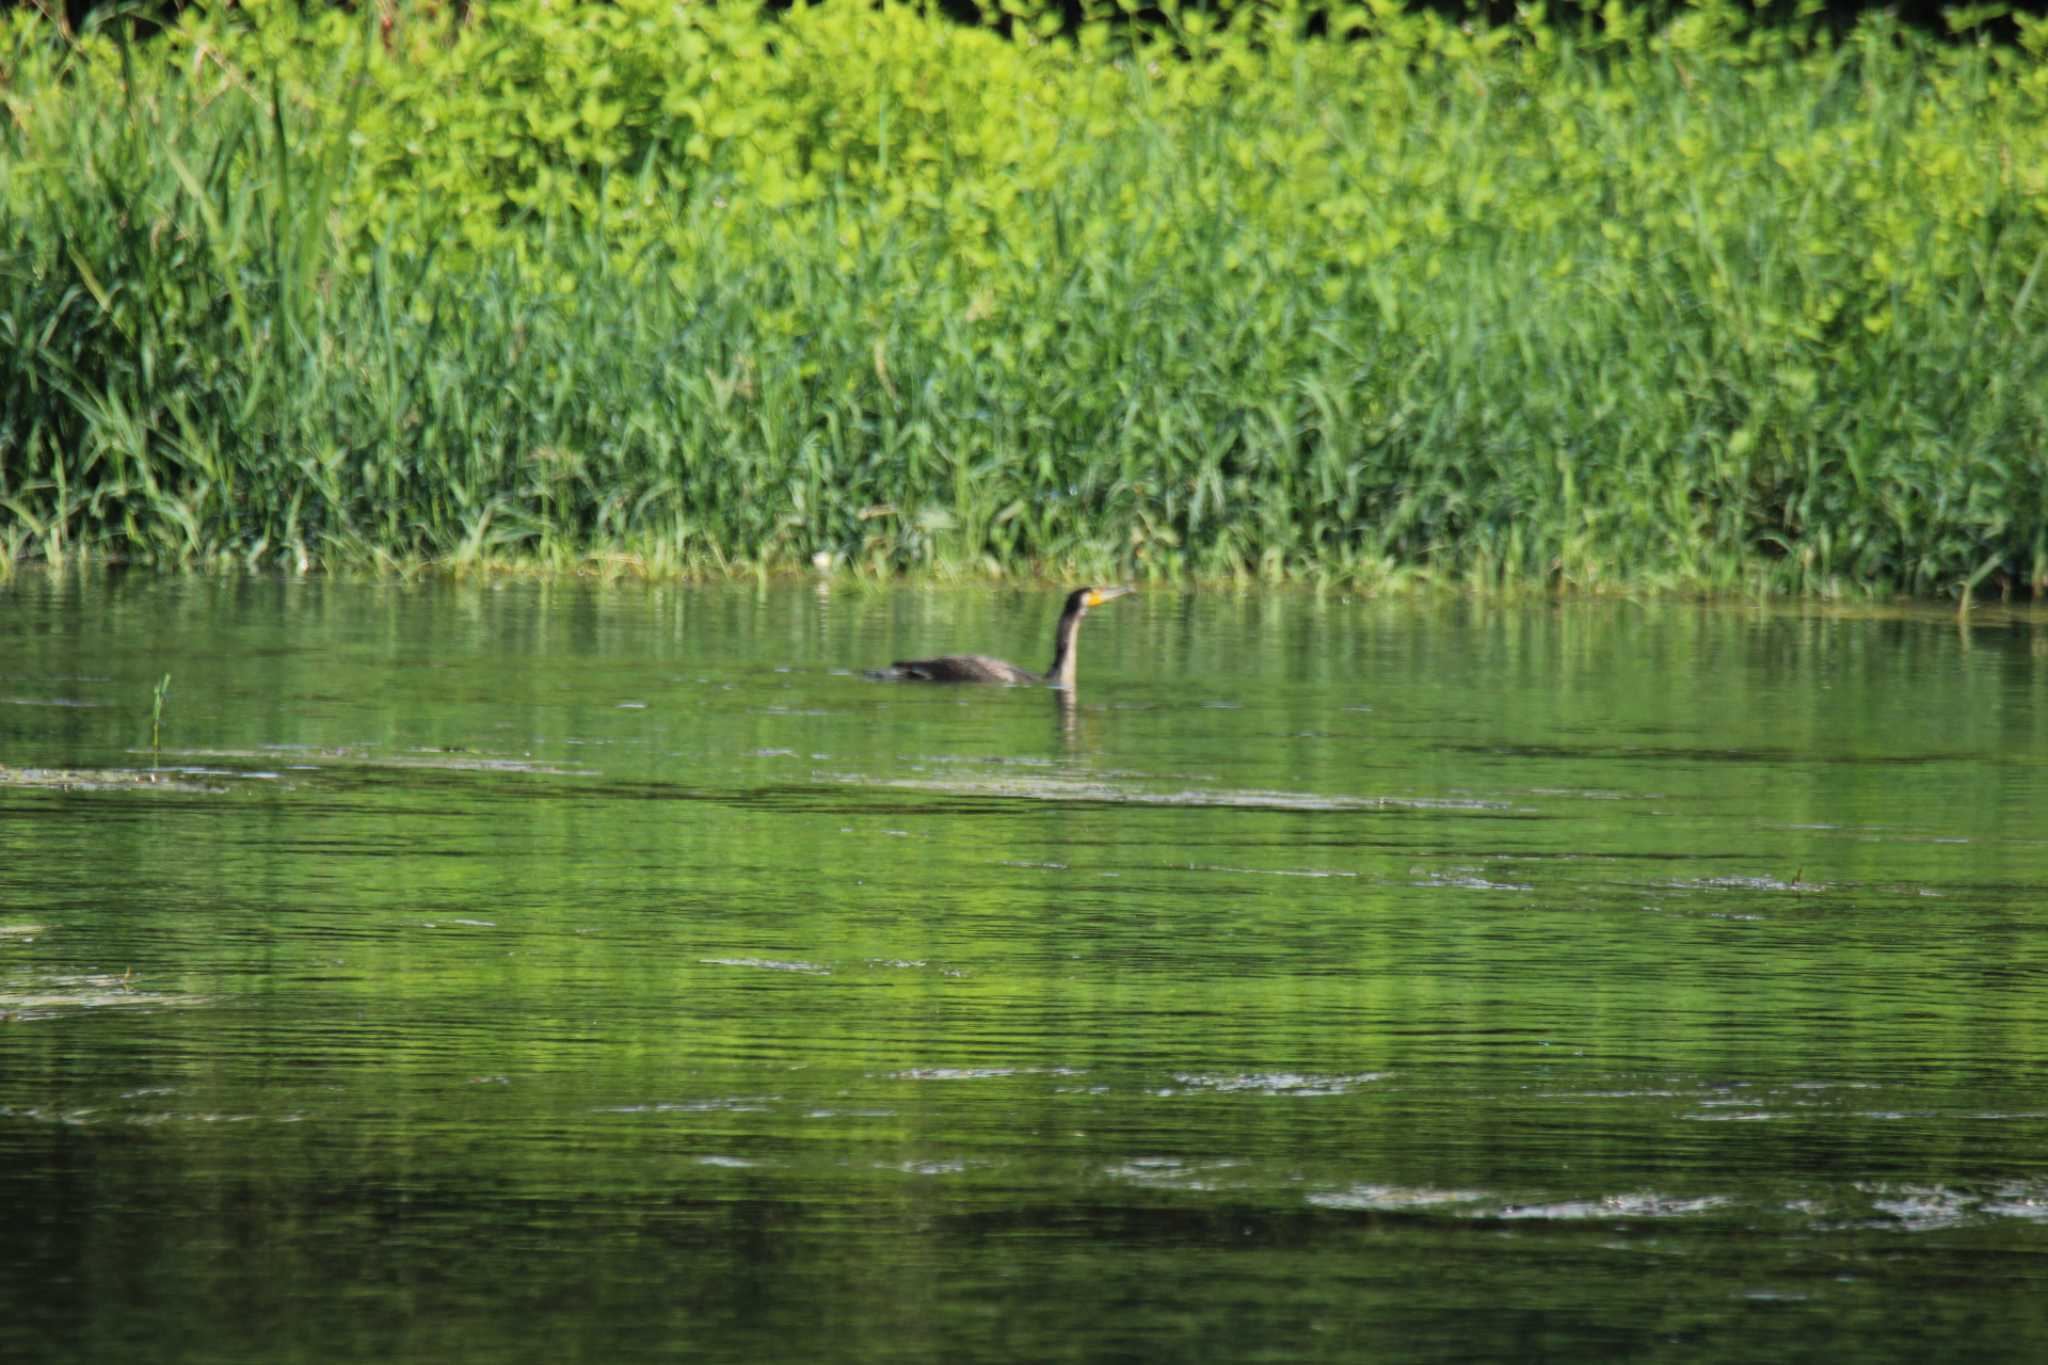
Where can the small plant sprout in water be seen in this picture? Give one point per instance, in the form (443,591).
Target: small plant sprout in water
(156,718)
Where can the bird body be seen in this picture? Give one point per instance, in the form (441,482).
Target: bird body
(963,668)
(980,668)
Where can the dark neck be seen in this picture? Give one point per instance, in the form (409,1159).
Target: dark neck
(1061,674)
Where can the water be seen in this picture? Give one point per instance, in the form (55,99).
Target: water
(498,971)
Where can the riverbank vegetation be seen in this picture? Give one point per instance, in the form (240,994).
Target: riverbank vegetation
(1344,294)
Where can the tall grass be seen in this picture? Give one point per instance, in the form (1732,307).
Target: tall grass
(1710,308)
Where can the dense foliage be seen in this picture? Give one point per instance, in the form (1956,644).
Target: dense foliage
(1345,294)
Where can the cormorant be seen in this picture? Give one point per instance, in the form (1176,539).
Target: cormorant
(979,668)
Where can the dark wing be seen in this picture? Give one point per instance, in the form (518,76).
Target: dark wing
(963,668)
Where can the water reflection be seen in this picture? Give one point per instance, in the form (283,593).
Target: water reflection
(1415,976)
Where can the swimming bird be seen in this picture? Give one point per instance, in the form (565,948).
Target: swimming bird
(979,668)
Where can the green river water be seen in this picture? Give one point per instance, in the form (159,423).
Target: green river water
(500,971)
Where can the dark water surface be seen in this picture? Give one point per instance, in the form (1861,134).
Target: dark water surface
(512,972)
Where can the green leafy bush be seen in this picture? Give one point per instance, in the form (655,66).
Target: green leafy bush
(1377,298)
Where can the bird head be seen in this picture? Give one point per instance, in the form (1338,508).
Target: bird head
(1083,598)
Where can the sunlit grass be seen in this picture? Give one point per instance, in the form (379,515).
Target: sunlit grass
(1709,310)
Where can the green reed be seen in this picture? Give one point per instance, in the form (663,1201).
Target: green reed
(1711,308)
(156,717)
